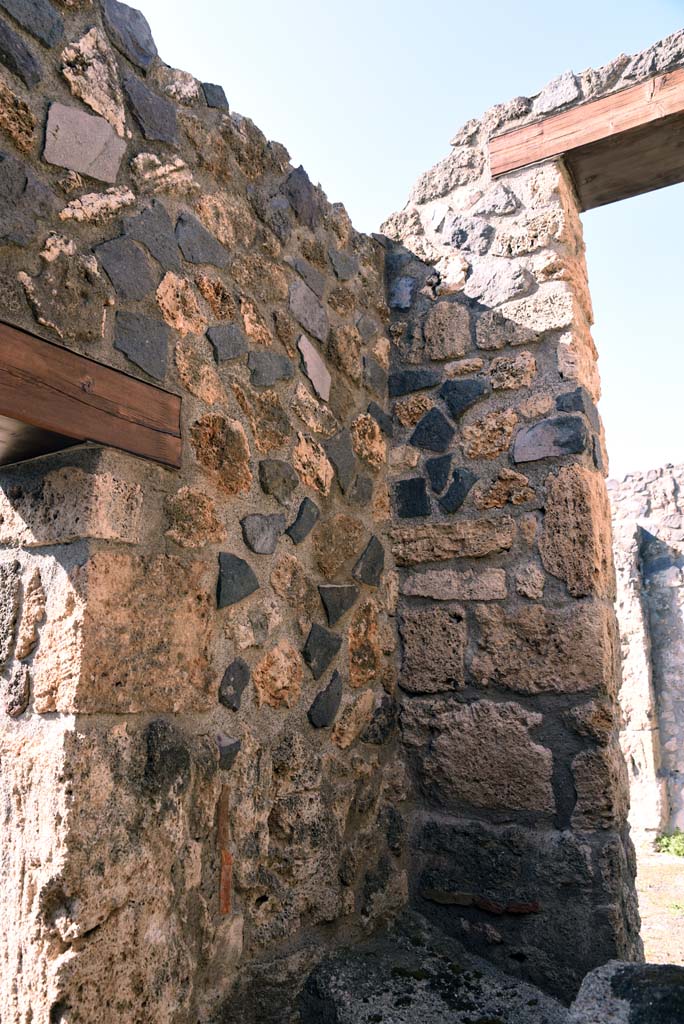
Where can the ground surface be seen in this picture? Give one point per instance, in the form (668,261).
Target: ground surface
(660,883)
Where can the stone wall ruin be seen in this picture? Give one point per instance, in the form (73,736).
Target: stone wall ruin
(360,650)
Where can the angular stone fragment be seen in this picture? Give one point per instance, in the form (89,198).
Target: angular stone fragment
(192,519)
(221,446)
(228,750)
(38,17)
(344,264)
(227,341)
(433,432)
(156,116)
(144,341)
(451,585)
(261,532)
(315,368)
(17,120)
(129,31)
(268,367)
(307,309)
(303,197)
(383,420)
(459,488)
(90,69)
(128,267)
(335,541)
(82,143)
(312,465)
(447,331)
(69,296)
(459,395)
(179,305)
(371,564)
(437,542)
(508,487)
(405,382)
(490,436)
(236,580)
(278,677)
(353,720)
(233,685)
(514,372)
(153,228)
(278,478)
(307,517)
(341,454)
(337,600)
(320,649)
(494,331)
(197,244)
(579,400)
(411,498)
(17,57)
(215,96)
(323,711)
(438,472)
(529,582)
(433,649)
(552,438)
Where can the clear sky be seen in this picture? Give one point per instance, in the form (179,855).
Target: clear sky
(367,93)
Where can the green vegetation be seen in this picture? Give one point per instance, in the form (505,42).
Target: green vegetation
(671,842)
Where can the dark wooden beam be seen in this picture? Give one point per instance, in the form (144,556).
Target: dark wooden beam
(615,147)
(49,395)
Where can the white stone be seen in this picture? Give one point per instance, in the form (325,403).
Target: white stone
(96,206)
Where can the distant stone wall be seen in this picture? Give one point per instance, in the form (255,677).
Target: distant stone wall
(648,530)
(198,763)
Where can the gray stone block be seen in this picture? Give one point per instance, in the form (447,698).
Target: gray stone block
(156,116)
(38,17)
(236,580)
(129,31)
(197,244)
(215,96)
(17,57)
(307,517)
(304,198)
(144,341)
(341,453)
(320,648)
(306,308)
(128,267)
(24,202)
(345,264)
(432,432)
(551,439)
(82,142)
(371,564)
(324,709)
(235,679)
(266,368)
(404,382)
(337,600)
(154,229)
(228,342)
(261,532)
(278,478)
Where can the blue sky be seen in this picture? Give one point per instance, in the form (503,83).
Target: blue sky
(367,95)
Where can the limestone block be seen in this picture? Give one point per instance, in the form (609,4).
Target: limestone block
(433,642)
(602,786)
(179,305)
(447,331)
(515,372)
(450,585)
(551,308)
(82,143)
(437,542)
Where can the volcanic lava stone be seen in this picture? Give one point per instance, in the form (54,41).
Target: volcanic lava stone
(326,704)
(197,244)
(228,342)
(438,472)
(551,438)
(433,432)
(344,264)
(337,600)
(128,267)
(215,96)
(277,478)
(144,341)
(130,33)
(154,229)
(401,292)
(383,420)
(361,493)
(303,197)
(307,517)
(228,750)
(235,679)
(307,309)
(236,580)
(320,648)
(268,367)
(24,202)
(405,382)
(382,724)
(459,395)
(261,533)
(370,565)
(375,377)
(38,17)
(461,483)
(156,116)
(411,498)
(17,58)
(341,453)
(579,400)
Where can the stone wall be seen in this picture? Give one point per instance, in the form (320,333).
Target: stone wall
(197,755)
(649,554)
(510,656)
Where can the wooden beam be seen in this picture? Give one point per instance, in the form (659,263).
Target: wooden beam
(632,136)
(50,393)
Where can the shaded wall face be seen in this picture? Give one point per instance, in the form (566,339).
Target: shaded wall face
(647,518)
(197,761)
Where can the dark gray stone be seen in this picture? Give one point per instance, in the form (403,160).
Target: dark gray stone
(268,367)
(438,472)
(341,453)
(228,750)
(278,478)
(326,704)
(433,432)
(306,308)
(233,685)
(374,375)
(405,382)
(579,400)
(459,395)
(17,58)
(411,498)
(402,292)
(197,244)
(82,142)
(361,493)
(307,517)
(18,692)
(382,418)
(215,96)
(371,564)
(144,341)
(277,214)
(128,267)
(24,202)
(38,17)
(155,115)
(344,264)
(655,992)
(367,327)
(228,342)
(261,532)
(472,234)
(130,33)
(337,600)
(304,198)
(551,439)
(236,580)
(461,483)
(320,648)
(383,724)
(313,277)
(153,228)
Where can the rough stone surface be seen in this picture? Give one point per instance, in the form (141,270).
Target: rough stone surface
(341,454)
(411,498)
(69,296)
(452,585)
(365,654)
(233,684)
(261,532)
(155,116)
(278,478)
(438,542)
(221,446)
(461,483)
(433,432)
(320,648)
(308,515)
(404,382)
(17,121)
(236,580)
(17,57)
(308,310)
(315,368)
(626,993)
(266,368)
(337,600)
(89,67)
(433,643)
(192,519)
(459,395)
(82,143)
(278,677)
(370,565)
(144,341)
(128,267)
(323,711)
(438,472)
(228,342)
(130,33)
(490,436)
(552,438)
(197,244)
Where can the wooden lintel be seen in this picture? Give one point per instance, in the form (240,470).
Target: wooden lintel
(617,146)
(49,394)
